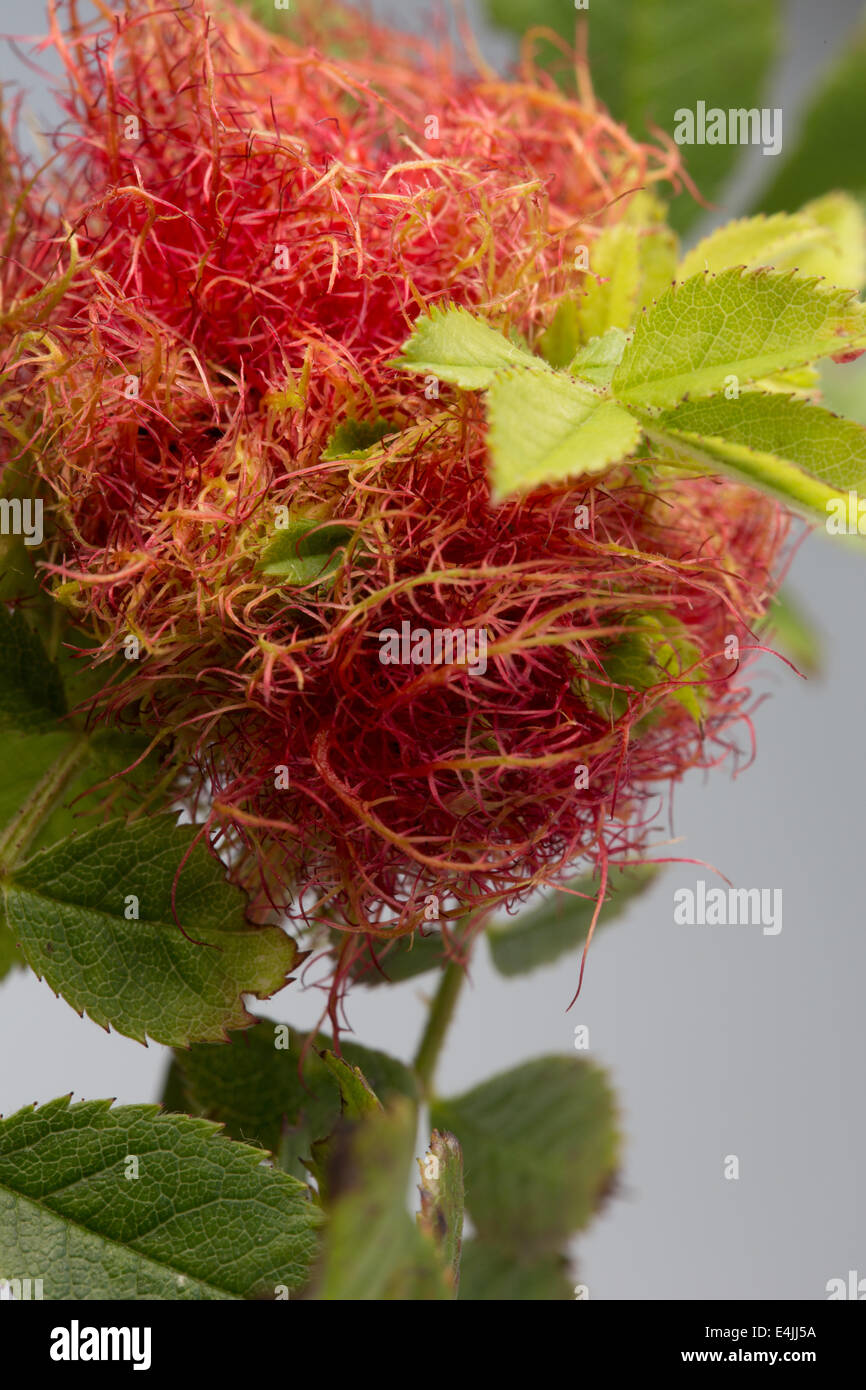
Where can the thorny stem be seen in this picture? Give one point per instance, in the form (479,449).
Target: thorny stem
(438,1020)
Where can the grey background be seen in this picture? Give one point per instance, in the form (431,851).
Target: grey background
(718,1041)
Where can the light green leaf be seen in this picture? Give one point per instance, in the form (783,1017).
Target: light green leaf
(611,288)
(648,58)
(826,238)
(631,264)
(204,1219)
(658,250)
(843,388)
(597,361)
(441,1214)
(305,551)
(174,979)
(798,452)
(794,633)
(491,1275)
(560,923)
(373,1250)
(458,347)
(256,1086)
(802,382)
(354,438)
(544,429)
(540,1147)
(833,128)
(843,218)
(743,324)
(31,692)
(561,339)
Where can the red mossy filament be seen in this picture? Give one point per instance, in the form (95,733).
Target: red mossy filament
(257,227)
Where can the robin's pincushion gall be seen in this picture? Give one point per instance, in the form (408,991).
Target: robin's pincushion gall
(239,237)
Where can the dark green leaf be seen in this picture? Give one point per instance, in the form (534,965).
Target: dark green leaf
(402,959)
(493,1275)
(354,438)
(560,923)
(540,1149)
(373,1250)
(649,58)
(305,551)
(31,692)
(177,971)
(833,129)
(254,1085)
(132,1203)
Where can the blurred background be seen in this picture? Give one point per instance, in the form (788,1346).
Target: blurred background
(718,1042)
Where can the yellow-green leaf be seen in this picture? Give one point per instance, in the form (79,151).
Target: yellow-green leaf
(740,324)
(544,429)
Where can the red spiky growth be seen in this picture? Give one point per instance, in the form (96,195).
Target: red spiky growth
(232,242)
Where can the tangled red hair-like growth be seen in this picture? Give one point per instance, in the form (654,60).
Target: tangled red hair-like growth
(248,231)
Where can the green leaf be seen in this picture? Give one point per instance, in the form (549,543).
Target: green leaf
(373,1250)
(561,339)
(354,438)
(357,1098)
(204,1219)
(658,251)
(648,58)
(799,452)
(794,633)
(492,1275)
(173,1096)
(402,959)
(597,361)
(826,238)
(458,347)
(256,1086)
(544,429)
(631,264)
(655,650)
(560,923)
(94,779)
(174,979)
(10,956)
(540,1148)
(843,388)
(833,128)
(743,324)
(441,1188)
(31,692)
(610,301)
(305,551)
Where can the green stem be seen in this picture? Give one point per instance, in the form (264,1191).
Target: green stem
(40,803)
(440,1016)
